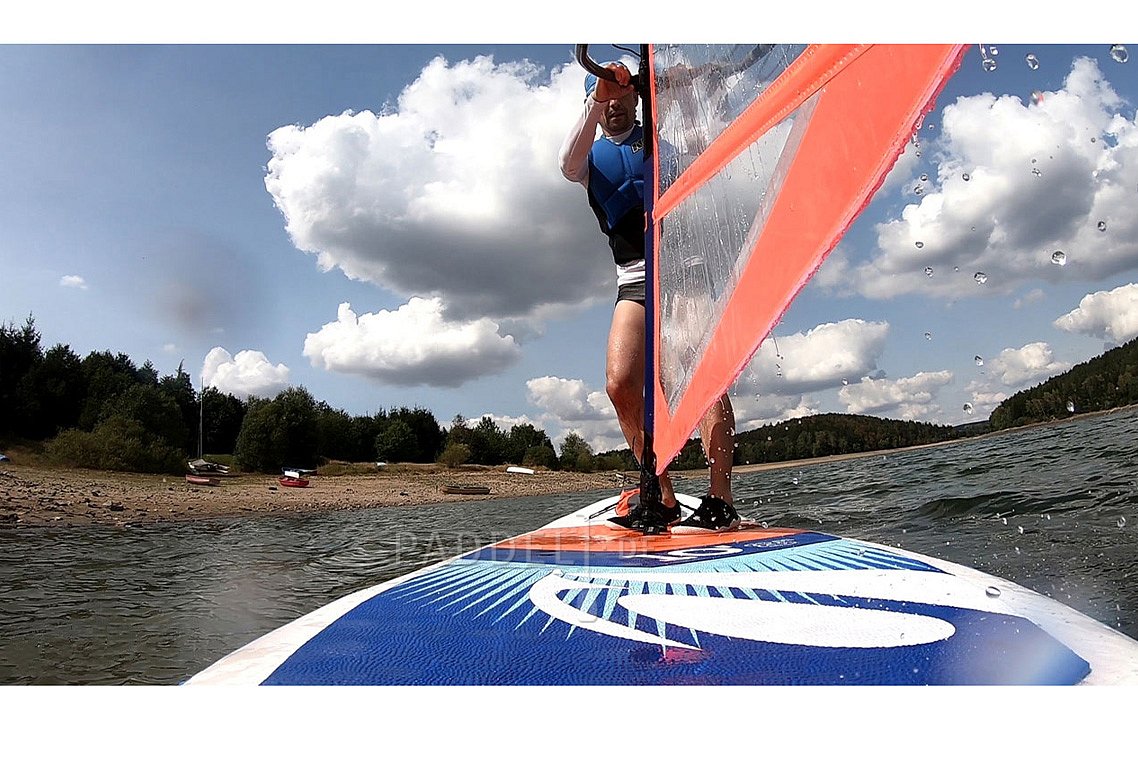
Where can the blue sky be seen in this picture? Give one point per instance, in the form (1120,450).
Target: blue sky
(221,206)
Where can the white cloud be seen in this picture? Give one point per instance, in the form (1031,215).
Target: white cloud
(1108,314)
(445,193)
(820,358)
(909,398)
(1020,367)
(249,373)
(1005,220)
(413,345)
(72,281)
(571,406)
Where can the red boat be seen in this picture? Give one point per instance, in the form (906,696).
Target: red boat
(202,480)
(292,482)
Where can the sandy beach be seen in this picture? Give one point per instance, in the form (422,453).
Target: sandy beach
(32,494)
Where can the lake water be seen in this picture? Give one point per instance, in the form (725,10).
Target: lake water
(1052,508)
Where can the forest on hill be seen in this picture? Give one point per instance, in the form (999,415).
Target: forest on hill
(103,411)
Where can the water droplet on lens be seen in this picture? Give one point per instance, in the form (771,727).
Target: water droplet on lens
(1036,97)
(989,65)
(1004,520)
(1037,173)
(967,408)
(919,244)
(966,176)
(924,178)
(1020,529)
(764,524)
(928,336)
(992,591)
(1059,258)
(1101,226)
(918,190)
(980,277)
(845,381)
(979,360)
(928,271)
(1032,61)
(993,50)
(1071,406)
(1121,522)
(1118,53)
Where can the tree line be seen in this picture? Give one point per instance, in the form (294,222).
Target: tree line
(103,411)
(1105,382)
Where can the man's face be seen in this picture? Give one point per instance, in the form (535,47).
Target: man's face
(619,114)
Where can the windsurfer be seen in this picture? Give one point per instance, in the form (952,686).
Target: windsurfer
(611,170)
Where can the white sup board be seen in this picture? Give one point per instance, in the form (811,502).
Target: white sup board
(576,602)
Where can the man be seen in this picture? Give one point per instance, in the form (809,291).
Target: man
(611,169)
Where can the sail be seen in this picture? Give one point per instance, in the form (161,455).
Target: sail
(763,156)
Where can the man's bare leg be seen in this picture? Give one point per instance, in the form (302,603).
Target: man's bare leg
(624,377)
(717,433)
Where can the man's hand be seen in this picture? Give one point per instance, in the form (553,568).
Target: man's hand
(606,90)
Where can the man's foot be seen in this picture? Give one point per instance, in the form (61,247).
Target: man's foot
(638,516)
(712,516)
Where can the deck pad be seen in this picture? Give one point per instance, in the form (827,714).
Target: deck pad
(579,603)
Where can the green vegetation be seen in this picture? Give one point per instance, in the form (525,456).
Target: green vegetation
(105,412)
(1105,382)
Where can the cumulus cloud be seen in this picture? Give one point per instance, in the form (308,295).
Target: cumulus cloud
(444,194)
(909,398)
(569,404)
(249,373)
(72,281)
(1108,314)
(413,345)
(1020,367)
(820,358)
(1041,178)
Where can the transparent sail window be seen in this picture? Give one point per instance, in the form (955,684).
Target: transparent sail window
(705,243)
(700,89)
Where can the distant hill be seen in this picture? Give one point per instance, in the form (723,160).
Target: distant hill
(1108,381)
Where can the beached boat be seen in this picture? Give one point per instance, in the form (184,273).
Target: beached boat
(467,490)
(202,480)
(293,482)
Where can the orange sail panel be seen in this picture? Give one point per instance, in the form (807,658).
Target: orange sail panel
(764,156)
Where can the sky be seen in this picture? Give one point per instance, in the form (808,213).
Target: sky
(386,225)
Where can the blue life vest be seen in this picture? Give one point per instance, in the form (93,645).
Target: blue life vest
(616,193)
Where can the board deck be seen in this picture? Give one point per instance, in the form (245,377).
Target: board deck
(576,602)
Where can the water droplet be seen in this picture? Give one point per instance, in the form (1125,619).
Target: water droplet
(1036,97)
(930,126)
(1118,53)
(919,244)
(928,336)
(1059,258)
(1004,520)
(924,178)
(1094,139)
(1020,529)
(918,190)
(993,50)
(928,271)
(1101,226)
(1032,61)
(988,64)
(764,524)
(844,382)
(1071,406)
(966,176)
(967,408)
(980,277)
(979,360)
(1121,522)
(1037,173)
(992,591)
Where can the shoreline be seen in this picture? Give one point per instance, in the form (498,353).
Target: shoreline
(36,495)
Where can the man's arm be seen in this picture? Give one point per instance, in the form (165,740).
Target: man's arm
(574,154)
